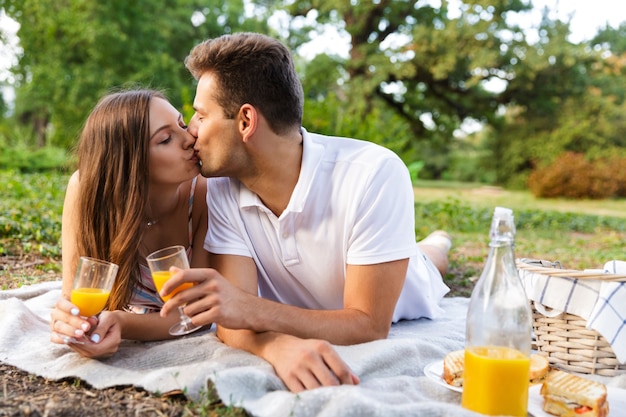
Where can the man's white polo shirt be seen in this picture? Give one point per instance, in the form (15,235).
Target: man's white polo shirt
(353,204)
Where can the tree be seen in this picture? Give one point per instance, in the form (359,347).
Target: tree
(414,71)
(428,71)
(565,98)
(413,75)
(614,39)
(77,50)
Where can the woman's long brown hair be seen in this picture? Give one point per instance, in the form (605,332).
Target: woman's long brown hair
(113,155)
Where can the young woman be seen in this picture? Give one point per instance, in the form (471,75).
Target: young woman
(137,189)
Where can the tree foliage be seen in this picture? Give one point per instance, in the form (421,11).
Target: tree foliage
(564,98)
(77,50)
(428,70)
(413,75)
(433,72)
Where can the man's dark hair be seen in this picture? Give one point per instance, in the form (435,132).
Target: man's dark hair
(255,69)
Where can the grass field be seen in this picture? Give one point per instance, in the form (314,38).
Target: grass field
(485,196)
(580,234)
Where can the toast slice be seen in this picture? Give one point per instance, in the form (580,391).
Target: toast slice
(539,367)
(453,364)
(568,395)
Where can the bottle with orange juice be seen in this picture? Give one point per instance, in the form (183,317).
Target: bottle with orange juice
(498,332)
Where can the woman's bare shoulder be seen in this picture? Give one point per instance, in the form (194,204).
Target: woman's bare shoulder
(71,192)
(74,179)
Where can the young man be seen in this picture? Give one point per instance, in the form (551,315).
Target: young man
(313,236)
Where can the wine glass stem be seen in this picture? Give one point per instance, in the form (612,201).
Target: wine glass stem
(185,320)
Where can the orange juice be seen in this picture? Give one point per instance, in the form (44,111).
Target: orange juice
(495,381)
(90,301)
(160,277)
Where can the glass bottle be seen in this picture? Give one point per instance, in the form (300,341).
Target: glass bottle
(498,332)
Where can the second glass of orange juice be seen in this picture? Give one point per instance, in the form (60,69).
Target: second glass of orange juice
(161,277)
(160,263)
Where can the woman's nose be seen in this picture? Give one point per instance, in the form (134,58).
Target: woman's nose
(192,127)
(190,140)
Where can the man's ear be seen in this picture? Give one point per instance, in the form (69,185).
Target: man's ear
(247,120)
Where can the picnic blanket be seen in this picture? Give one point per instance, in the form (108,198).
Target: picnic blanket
(391,370)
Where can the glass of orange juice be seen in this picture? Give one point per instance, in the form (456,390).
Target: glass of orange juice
(160,263)
(93,281)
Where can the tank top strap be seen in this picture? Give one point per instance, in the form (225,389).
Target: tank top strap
(191,194)
(145,298)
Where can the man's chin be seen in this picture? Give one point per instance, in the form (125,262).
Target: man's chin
(205,172)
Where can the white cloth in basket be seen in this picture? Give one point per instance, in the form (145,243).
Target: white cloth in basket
(601,303)
(609,314)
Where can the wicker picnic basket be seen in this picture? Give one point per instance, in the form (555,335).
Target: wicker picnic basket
(564,339)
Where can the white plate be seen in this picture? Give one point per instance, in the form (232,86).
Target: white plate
(615,396)
(434,371)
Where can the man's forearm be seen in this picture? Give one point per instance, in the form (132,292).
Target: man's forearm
(339,327)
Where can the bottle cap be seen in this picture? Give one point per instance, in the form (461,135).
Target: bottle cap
(503,213)
(503,225)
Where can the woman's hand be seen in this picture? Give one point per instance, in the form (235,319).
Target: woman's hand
(93,337)
(104,340)
(66,324)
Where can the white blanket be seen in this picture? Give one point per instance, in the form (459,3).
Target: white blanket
(391,370)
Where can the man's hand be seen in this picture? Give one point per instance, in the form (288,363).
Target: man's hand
(304,364)
(212,299)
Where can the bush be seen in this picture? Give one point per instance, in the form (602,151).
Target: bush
(414,170)
(19,152)
(572,175)
(32,160)
(31,209)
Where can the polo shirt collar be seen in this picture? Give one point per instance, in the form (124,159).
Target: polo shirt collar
(312,153)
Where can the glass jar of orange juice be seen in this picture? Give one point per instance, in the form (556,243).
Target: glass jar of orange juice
(498,333)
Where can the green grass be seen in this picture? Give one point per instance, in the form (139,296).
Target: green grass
(580,234)
(481,196)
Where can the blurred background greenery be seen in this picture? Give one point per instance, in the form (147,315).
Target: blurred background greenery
(413,79)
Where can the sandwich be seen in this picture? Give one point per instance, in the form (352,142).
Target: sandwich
(453,364)
(568,395)
(539,368)
(453,368)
